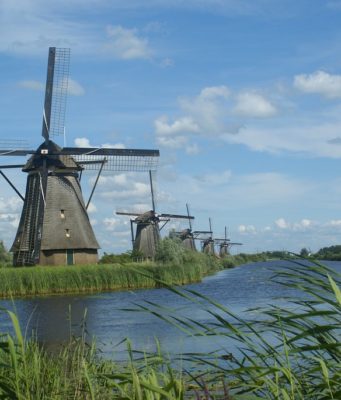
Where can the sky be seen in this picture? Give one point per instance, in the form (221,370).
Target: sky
(242,97)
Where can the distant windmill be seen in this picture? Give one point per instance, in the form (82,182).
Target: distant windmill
(147,235)
(225,244)
(54,227)
(208,243)
(188,236)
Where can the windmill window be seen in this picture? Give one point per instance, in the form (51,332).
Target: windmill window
(67,233)
(62,214)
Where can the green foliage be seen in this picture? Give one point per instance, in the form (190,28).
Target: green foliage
(123,258)
(5,256)
(332,253)
(170,250)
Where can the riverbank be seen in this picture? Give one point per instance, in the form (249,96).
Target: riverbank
(47,280)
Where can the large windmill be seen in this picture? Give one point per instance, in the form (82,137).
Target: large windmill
(147,235)
(225,244)
(54,227)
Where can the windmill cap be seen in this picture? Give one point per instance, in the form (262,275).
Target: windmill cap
(52,153)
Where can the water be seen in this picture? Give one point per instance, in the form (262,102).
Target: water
(54,318)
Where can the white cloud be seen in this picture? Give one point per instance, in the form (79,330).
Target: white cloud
(247,229)
(319,82)
(251,104)
(302,225)
(92,208)
(32,85)
(137,190)
(82,142)
(185,124)
(310,137)
(85,142)
(192,149)
(74,88)
(214,92)
(125,43)
(176,142)
(203,115)
(334,222)
(282,223)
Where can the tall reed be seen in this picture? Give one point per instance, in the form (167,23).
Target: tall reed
(28,372)
(28,281)
(289,353)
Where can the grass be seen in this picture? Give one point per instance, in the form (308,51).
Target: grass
(39,280)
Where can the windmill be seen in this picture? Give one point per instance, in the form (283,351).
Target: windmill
(147,235)
(225,244)
(208,243)
(54,227)
(188,236)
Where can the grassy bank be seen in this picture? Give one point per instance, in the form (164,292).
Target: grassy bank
(28,281)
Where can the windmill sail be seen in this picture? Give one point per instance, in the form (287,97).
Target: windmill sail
(55,92)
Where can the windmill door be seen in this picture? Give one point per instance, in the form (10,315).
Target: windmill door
(69,257)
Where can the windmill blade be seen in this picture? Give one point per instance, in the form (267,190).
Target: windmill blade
(12,166)
(176,216)
(152,190)
(120,160)
(132,214)
(219,240)
(189,219)
(55,92)
(16,152)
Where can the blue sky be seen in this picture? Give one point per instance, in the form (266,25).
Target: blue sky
(243,99)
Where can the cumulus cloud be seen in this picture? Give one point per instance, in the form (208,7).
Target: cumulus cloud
(319,82)
(310,137)
(282,223)
(126,44)
(85,142)
(247,229)
(203,115)
(251,104)
(185,124)
(301,225)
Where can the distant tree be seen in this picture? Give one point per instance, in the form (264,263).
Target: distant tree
(123,258)
(304,252)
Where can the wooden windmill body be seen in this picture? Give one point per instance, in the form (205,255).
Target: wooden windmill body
(148,226)
(54,227)
(225,244)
